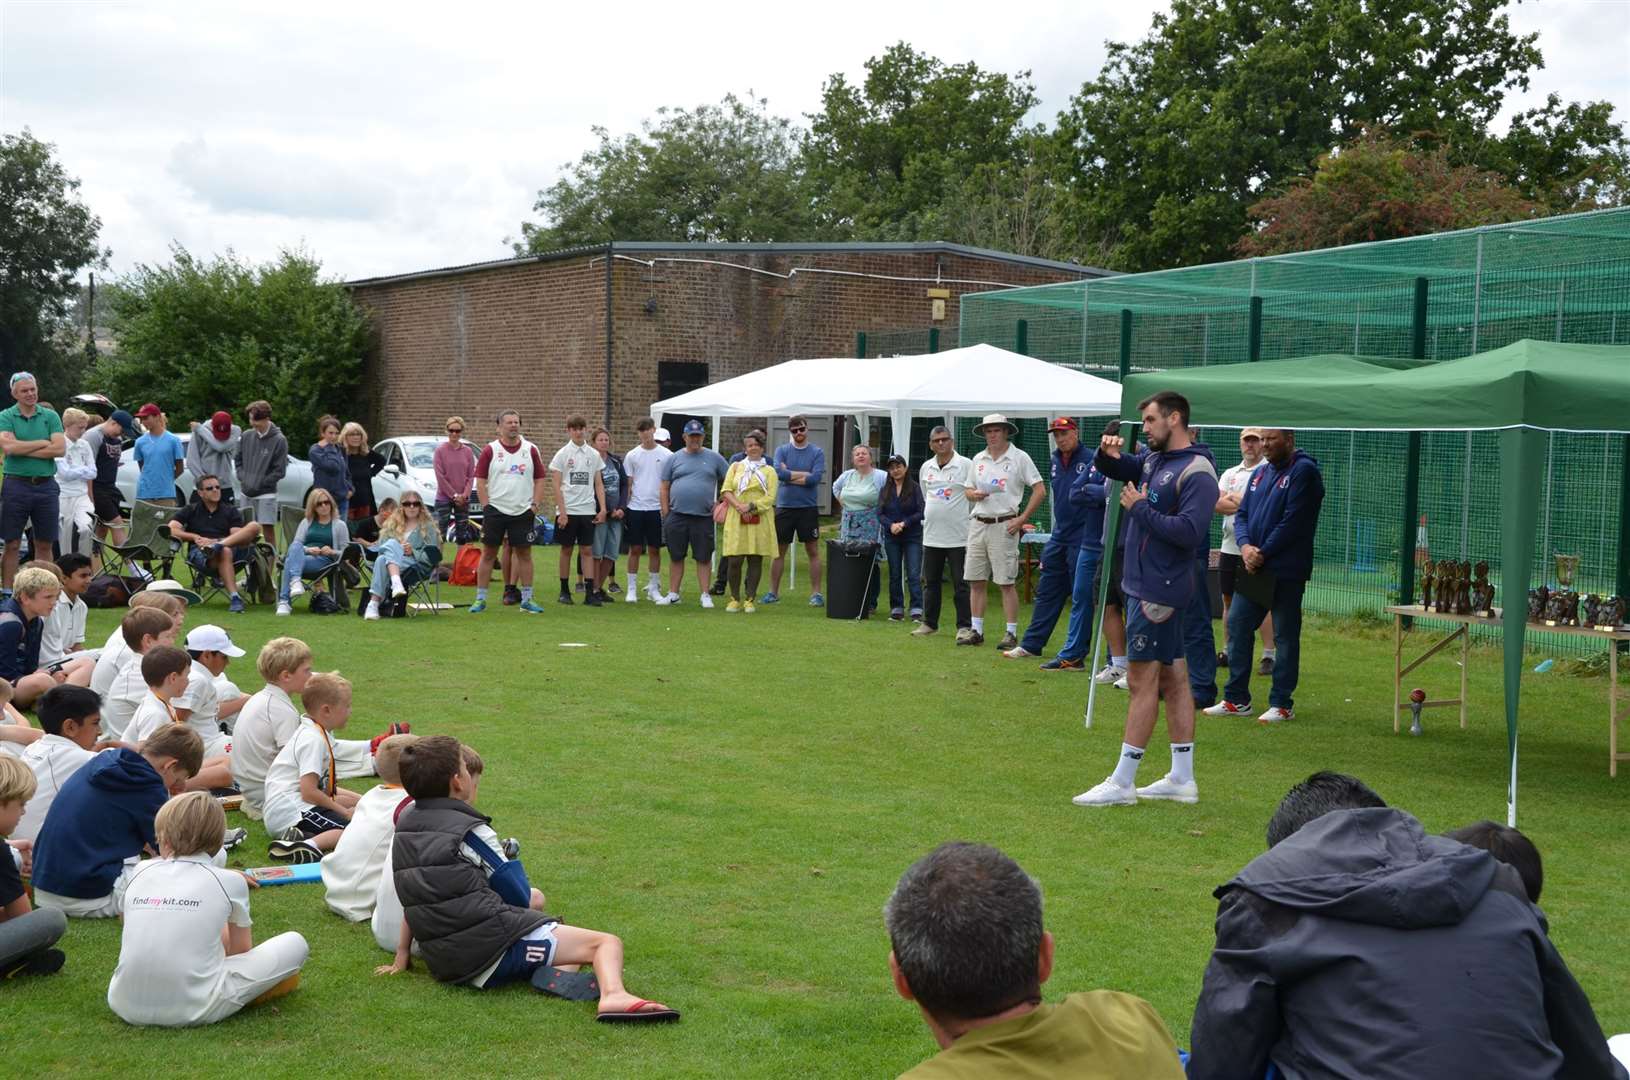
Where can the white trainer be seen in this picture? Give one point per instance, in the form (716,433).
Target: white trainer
(1227,708)
(1108,793)
(707,600)
(372,614)
(1121,683)
(1170,790)
(283,608)
(1276,714)
(1018,652)
(664,601)
(632,597)
(397,588)
(296,588)
(1109,674)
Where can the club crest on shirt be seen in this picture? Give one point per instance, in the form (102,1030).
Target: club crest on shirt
(1284,481)
(1166,477)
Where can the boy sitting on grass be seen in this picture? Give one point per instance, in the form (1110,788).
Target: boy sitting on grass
(102,820)
(202,706)
(111,657)
(22,620)
(306,809)
(467,932)
(387,919)
(63,635)
(352,873)
(186,955)
(26,935)
(143,629)
(165,669)
(71,717)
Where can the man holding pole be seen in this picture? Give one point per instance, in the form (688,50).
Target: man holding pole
(1168,517)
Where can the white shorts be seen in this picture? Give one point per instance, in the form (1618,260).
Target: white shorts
(110,906)
(993,554)
(246,977)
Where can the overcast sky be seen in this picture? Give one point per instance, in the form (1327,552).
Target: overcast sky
(396,137)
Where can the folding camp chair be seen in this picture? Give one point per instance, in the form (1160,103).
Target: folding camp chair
(146,541)
(423,593)
(332,576)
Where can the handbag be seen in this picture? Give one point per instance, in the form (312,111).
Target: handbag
(720,510)
(750,519)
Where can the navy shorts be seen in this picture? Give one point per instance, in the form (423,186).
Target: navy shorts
(1148,640)
(315,820)
(523,957)
(643,528)
(22,502)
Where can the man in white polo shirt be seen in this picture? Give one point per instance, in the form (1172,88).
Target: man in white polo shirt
(580,505)
(944,479)
(1000,473)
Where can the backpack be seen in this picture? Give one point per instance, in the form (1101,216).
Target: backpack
(323,603)
(465,565)
(463,532)
(111,590)
(260,577)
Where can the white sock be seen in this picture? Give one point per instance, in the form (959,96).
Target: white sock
(480,592)
(1118,662)
(978,624)
(373,606)
(1126,769)
(652,582)
(1182,762)
(1267,654)
(1013,628)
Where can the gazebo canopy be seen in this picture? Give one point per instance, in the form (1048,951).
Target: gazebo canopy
(1523,391)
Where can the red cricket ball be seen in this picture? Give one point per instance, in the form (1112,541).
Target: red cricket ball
(1417,695)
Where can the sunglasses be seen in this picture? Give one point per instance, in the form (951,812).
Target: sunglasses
(941,438)
(455,431)
(322,502)
(797,430)
(212,487)
(413,504)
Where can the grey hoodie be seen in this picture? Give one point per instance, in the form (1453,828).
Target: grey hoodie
(262,460)
(207,455)
(1362,947)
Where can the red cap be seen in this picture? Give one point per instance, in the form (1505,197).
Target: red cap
(1063,423)
(221,424)
(148,410)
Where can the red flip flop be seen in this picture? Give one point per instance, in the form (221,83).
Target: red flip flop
(639,1014)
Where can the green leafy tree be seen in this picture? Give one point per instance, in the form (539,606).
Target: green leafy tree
(1564,157)
(1228,99)
(880,158)
(1380,188)
(197,336)
(47,237)
(723,173)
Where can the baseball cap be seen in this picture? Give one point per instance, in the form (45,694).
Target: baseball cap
(148,410)
(1251,433)
(221,424)
(124,420)
(693,427)
(1063,423)
(662,435)
(211,638)
(901,458)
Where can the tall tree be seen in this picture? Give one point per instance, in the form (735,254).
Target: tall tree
(881,157)
(47,236)
(1380,188)
(201,335)
(725,172)
(1228,99)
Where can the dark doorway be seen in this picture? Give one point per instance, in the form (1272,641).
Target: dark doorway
(675,377)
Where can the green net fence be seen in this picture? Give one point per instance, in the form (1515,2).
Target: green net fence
(1558,279)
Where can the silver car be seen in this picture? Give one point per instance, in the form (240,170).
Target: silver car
(291,490)
(414,455)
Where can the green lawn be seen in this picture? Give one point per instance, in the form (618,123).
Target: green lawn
(735,795)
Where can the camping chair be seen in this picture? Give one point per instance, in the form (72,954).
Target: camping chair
(147,540)
(333,577)
(423,593)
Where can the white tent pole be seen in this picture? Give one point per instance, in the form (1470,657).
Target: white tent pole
(902,431)
(1092,668)
(1511,796)
(715,432)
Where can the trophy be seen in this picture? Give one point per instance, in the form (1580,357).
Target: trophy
(1482,592)
(1611,612)
(1538,598)
(1463,591)
(1417,698)
(1428,578)
(1566,567)
(1588,605)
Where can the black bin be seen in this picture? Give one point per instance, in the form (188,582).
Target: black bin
(848,567)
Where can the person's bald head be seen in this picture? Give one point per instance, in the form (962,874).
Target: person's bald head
(1278,444)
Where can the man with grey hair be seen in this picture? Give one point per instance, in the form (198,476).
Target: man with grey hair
(968,947)
(944,482)
(31,438)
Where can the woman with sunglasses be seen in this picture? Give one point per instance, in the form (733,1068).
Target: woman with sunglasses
(407,544)
(454,463)
(316,546)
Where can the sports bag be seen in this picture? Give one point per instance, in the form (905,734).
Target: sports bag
(465,565)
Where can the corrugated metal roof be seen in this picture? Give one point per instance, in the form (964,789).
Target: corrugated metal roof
(647,247)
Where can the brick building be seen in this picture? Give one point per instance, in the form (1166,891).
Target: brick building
(534,333)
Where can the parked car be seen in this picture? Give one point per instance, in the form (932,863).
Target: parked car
(291,490)
(415,455)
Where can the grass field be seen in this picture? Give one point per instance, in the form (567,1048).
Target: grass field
(736,795)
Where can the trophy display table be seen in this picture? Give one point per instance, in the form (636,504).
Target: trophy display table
(1462,633)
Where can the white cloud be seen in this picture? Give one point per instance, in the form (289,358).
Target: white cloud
(389,137)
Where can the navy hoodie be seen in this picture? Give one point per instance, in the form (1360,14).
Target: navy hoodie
(1163,530)
(1361,946)
(1280,514)
(102,816)
(1072,516)
(1088,496)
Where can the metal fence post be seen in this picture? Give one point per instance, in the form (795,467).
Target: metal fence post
(933,339)
(1412,462)
(1021,337)
(1253,345)
(860,344)
(1126,343)
(1624,523)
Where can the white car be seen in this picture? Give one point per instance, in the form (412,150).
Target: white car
(414,455)
(291,490)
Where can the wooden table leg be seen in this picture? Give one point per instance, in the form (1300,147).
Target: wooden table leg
(1397,667)
(1465,664)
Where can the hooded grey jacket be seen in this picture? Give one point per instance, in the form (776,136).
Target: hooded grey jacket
(262,461)
(207,455)
(1362,947)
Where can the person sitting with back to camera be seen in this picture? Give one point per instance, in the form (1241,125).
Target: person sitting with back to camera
(469,912)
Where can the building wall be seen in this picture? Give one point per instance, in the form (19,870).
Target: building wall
(531,336)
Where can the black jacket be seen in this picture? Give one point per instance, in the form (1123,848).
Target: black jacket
(462,925)
(1362,947)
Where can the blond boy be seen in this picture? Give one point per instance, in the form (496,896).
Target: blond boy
(354,871)
(186,955)
(306,809)
(22,616)
(26,935)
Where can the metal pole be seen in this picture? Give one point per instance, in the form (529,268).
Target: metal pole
(1253,343)
(1466,502)
(1086,318)
(1412,463)
(860,344)
(933,339)
(1352,445)
(1358,317)
(609,244)
(1623,577)
(1126,343)
(1205,339)
(1550,483)
(1021,337)
(1477,291)
(1561,291)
